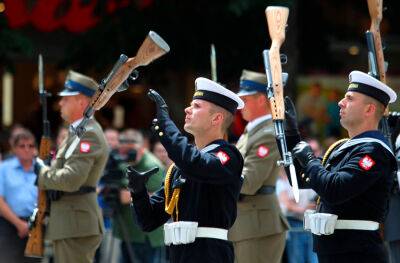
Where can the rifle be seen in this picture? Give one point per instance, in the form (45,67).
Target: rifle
(35,244)
(152,48)
(377,64)
(277,17)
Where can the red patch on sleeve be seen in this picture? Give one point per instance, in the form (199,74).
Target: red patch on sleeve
(366,163)
(84,147)
(262,151)
(223,157)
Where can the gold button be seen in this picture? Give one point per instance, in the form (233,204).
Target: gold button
(302,175)
(157,128)
(308,180)
(160,134)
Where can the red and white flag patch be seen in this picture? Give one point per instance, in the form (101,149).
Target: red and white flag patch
(85,147)
(262,151)
(366,163)
(223,157)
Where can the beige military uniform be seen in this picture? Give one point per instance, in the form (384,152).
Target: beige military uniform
(77,216)
(258,234)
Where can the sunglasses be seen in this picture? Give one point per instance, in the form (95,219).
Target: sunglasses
(30,146)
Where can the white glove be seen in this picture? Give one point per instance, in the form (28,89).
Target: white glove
(315,224)
(328,221)
(322,223)
(306,219)
(182,232)
(176,234)
(168,234)
(188,231)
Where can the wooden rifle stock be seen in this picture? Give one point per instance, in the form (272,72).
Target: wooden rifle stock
(277,18)
(375,12)
(379,70)
(35,245)
(152,48)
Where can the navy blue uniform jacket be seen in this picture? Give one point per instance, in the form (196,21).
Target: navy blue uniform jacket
(354,184)
(212,181)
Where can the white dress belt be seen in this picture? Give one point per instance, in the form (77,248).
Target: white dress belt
(185,232)
(212,232)
(325,224)
(356,224)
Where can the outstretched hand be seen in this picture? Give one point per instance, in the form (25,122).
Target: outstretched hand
(162,107)
(138,180)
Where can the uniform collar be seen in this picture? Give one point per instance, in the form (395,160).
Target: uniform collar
(15,163)
(252,124)
(76,123)
(213,145)
(372,134)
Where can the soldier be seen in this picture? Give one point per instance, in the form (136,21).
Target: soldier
(202,187)
(355,178)
(75,223)
(258,235)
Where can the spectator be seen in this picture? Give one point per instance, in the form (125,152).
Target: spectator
(160,152)
(137,246)
(18,197)
(112,137)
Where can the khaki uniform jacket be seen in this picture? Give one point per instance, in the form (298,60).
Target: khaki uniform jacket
(76,215)
(259,215)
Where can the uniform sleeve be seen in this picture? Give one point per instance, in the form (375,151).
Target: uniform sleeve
(362,170)
(259,164)
(222,167)
(75,171)
(149,211)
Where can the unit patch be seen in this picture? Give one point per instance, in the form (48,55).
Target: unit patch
(85,147)
(262,151)
(366,163)
(223,157)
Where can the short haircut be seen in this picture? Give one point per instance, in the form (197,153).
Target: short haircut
(227,116)
(380,108)
(23,134)
(131,136)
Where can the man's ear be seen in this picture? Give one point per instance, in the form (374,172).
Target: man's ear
(262,100)
(371,109)
(217,118)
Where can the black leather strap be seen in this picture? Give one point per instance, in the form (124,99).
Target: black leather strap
(82,190)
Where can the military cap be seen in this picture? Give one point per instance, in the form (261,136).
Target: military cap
(252,82)
(215,93)
(370,86)
(77,83)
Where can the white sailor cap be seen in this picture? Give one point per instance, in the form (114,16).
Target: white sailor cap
(215,93)
(252,82)
(77,83)
(370,86)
